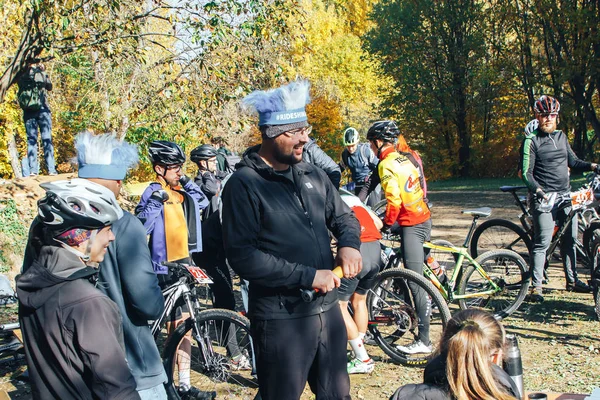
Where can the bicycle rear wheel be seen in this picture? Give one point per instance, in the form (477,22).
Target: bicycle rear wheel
(508,271)
(595,280)
(500,234)
(226,367)
(393,318)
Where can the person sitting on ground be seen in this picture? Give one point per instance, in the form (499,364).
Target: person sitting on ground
(72,332)
(170,211)
(468,366)
(355,289)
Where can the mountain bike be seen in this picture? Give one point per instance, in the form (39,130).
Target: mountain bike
(393,319)
(496,281)
(221,357)
(504,234)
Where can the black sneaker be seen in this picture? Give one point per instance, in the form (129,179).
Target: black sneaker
(191,393)
(578,287)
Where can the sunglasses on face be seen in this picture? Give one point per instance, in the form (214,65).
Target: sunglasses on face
(299,131)
(175,168)
(549,116)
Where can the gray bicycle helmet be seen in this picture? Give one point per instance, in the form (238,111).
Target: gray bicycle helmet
(77,203)
(351,137)
(204,152)
(166,153)
(383,130)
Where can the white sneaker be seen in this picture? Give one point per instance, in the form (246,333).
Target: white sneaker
(357,366)
(416,347)
(241,364)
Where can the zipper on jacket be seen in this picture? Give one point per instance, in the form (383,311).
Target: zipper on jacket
(280,301)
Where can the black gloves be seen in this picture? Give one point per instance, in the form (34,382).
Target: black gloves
(596,169)
(184,180)
(385,228)
(160,196)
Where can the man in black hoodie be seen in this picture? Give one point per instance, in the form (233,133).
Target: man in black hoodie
(72,332)
(277,214)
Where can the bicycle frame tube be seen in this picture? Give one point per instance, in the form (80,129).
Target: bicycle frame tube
(448,290)
(171,294)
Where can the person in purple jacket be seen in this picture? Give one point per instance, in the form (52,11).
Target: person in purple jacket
(170,211)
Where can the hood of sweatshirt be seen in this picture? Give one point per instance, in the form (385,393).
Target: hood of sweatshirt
(53,267)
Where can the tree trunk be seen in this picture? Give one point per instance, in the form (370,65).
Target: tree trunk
(15,160)
(26,51)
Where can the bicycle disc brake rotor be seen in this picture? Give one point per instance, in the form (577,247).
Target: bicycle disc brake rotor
(404,318)
(218,368)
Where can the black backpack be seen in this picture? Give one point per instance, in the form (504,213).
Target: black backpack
(31,90)
(230,162)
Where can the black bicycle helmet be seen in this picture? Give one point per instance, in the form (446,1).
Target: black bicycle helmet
(77,203)
(204,152)
(166,153)
(383,130)
(546,105)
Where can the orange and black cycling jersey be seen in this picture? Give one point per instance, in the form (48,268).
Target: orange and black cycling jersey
(402,188)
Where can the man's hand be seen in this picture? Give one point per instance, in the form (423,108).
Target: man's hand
(350,260)
(541,195)
(325,281)
(184,180)
(596,168)
(160,195)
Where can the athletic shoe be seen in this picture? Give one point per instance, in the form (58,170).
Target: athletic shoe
(535,295)
(416,347)
(357,366)
(191,393)
(578,287)
(241,364)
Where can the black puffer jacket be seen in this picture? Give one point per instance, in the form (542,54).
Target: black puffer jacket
(435,383)
(276,234)
(314,155)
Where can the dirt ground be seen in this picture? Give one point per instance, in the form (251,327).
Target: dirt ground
(559,339)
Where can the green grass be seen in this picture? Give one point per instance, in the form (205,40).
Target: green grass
(488,184)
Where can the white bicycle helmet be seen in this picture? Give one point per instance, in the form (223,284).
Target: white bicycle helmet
(531,126)
(350,137)
(77,203)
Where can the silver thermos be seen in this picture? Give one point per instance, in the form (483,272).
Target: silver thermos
(512,362)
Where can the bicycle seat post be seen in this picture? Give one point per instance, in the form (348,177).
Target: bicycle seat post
(471,230)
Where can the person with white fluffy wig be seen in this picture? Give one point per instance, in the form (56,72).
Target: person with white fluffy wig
(277,214)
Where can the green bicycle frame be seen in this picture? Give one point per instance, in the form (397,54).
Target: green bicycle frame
(448,290)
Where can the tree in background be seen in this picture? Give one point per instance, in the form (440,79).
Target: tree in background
(346,87)
(153,68)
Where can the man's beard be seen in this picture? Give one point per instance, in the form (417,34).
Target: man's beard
(549,129)
(288,159)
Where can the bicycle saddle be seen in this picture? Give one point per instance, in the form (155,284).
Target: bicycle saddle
(512,188)
(480,212)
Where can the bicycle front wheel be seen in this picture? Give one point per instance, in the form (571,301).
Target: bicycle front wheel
(217,351)
(508,271)
(500,234)
(393,318)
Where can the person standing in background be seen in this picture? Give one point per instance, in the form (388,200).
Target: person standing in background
(34,85)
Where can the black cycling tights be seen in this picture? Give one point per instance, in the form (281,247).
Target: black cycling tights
(413,256)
